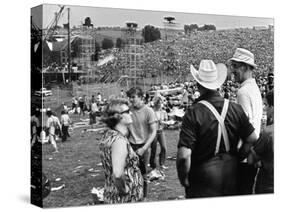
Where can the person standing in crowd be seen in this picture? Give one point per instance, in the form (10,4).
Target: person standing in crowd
(122,94)
(185,98)
(81,105)
(51,127)
(270,81)
(263,152)
(161,116)
(249,97)
(58,128)
(123,178)
(99,99)
(207,156)
(35,124)
(142,130)
(64,107)
(65,123)
(93,111)
(74,104)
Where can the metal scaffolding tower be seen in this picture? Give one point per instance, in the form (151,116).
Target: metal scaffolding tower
(133,53)
(87,49)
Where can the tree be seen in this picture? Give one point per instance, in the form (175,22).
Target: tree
(119,43)
(194,27)
(207,27)
(186,28)
(107,43)
(150,33)
(190,28)
(88,22)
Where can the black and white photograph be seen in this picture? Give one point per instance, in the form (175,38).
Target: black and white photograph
(140,105)
(134,106)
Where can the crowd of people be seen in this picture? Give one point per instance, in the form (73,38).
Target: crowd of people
(174,57)
(223,149)
(218,142)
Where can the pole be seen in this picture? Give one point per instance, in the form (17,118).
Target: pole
(69,47)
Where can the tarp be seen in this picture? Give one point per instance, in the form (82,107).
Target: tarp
(105,60)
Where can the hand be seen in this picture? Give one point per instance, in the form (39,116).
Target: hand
(186,187)
(185,183)
(258,164)
(123,190)
(121,186)
(140,151)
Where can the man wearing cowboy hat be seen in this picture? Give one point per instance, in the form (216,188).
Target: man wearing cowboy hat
(207,155)
(242,65)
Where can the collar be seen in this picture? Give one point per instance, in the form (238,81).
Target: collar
(210,94)
(247,81)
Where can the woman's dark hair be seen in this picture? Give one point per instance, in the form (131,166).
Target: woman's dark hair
(62,112)
(110,115)
(270,98)
(135,91)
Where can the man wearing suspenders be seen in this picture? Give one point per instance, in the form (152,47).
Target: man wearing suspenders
(207,155)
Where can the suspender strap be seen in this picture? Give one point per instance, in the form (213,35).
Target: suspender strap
(221,126)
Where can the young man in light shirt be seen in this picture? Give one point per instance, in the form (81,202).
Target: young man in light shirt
(249,97)
(142,130)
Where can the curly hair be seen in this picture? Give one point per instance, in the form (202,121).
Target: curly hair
(110,114)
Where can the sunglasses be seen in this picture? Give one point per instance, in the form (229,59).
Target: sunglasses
(125,112)
(235,65)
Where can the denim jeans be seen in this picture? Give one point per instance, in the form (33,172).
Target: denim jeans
(160,137)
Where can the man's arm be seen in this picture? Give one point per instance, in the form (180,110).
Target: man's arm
(244,100)
(153,128)
(246,146)
(183,165)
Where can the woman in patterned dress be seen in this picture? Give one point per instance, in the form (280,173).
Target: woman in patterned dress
(123,179)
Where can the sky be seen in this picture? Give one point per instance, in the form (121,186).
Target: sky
(118,17)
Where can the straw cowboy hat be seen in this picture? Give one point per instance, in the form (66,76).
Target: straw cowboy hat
(244,56)
(209,75)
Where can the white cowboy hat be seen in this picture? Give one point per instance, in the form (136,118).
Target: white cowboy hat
(244,56)
(209,75)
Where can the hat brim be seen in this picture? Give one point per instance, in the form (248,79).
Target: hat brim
(222,74)
(242,61)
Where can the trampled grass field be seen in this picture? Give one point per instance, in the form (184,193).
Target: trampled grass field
(77,167)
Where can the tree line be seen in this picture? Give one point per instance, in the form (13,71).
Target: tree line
(195,27)
(149,34)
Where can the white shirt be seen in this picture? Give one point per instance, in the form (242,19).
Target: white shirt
(65,120)
(249,97)
(51,122)
(94,107)
(99,98)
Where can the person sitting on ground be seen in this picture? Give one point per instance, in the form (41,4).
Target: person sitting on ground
(123,178)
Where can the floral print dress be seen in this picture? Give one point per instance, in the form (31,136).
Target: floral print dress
(133,177)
